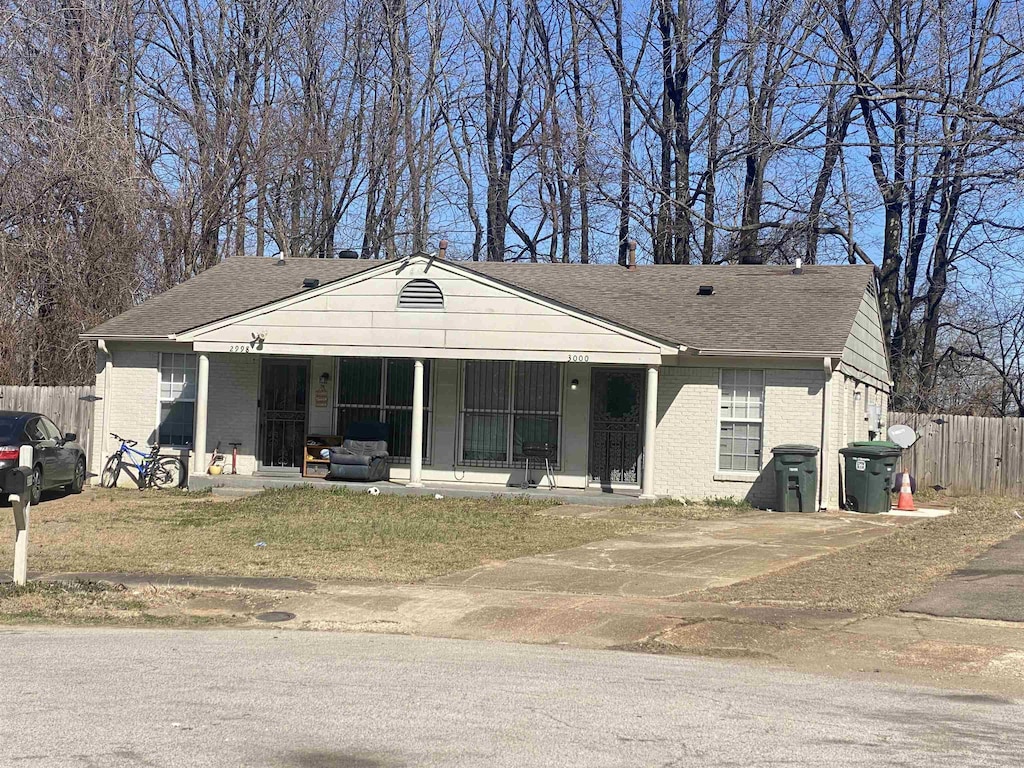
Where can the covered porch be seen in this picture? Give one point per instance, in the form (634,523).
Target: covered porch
(475,424)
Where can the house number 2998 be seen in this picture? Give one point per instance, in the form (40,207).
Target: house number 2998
(579,358)
(240,348)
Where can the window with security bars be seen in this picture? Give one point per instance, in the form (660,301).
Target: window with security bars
(380,389)
(506,406)
(741,420)
(177,398)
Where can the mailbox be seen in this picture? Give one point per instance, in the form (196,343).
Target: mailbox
(19,480)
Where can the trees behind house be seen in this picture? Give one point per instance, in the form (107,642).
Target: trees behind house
(144,141)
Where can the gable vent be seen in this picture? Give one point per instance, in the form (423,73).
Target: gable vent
(421,294)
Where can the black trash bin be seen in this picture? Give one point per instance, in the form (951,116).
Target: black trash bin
(796,477)
(868,476)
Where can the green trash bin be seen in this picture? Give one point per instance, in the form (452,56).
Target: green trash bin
(869,468)
(883,443)
(796,477)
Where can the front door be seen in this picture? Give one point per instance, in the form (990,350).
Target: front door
(283,388)
(616,425)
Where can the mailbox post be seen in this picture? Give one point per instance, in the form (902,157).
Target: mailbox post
(20,481)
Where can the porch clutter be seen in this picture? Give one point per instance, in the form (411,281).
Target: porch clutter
(363,455)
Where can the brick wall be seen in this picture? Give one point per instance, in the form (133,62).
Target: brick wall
(131,398)
(686,451)
(232,414)
(851,396)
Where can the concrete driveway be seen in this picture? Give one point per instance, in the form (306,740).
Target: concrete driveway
(687,556)
(990,587)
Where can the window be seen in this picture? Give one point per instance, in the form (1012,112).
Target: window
(50,429)
(380,389)
(177,399)
(741,420)
(506,406)
(34,430)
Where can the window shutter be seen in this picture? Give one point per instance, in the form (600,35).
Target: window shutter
(421,294)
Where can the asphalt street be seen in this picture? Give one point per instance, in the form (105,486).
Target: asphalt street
(109,697)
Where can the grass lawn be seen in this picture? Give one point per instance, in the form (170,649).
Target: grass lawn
(880,576)
(301,532)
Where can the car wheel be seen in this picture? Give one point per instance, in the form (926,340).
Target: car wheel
(36,491)
(79,482)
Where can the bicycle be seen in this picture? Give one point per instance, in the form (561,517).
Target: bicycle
(154,471)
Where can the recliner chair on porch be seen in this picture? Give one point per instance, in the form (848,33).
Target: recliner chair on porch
(363,455)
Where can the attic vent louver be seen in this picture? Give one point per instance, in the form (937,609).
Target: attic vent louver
(421,294)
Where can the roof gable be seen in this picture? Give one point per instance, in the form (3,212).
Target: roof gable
(476,317)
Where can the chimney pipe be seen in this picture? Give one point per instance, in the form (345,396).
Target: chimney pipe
(442,249)
(799,267)
(631,257)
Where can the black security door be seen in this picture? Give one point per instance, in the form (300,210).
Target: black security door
(283,390)
(616,425)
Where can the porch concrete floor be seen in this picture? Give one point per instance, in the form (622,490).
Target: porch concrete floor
(240,485)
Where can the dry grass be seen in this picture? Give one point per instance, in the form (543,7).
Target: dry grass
(314,534)
(77,602)
(880,576)
(683,509)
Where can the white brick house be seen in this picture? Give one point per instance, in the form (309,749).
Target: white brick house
(658,380)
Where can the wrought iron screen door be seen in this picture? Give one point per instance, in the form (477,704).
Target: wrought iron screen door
(616,425)
(283,389)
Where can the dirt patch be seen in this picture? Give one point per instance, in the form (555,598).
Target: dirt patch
(297,532)
(880,576)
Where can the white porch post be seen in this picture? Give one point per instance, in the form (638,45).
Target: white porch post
(650,427)
(202,399)
(416,449)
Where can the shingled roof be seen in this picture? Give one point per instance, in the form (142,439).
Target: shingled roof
(753,308)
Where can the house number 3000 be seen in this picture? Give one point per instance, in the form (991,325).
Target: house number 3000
(579,358)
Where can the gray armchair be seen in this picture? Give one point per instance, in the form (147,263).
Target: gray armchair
(363,455)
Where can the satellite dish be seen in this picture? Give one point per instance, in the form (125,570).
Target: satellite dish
(902,435)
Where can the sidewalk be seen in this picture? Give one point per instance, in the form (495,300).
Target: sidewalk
(975,655)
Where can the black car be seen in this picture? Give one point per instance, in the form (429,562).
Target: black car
(58,461)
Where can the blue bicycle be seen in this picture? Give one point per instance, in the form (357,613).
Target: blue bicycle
(154,470)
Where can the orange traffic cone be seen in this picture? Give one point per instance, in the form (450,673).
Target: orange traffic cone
(906,499)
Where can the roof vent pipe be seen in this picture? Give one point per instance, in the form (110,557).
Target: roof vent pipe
(631,256)
(799,267)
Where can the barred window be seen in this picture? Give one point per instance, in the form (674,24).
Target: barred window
(380,389)
(177,398)
(741,420)
(506,406)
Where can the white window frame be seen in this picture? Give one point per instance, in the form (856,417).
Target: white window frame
(737,420)
(510,412)
(161,400)
(382,406)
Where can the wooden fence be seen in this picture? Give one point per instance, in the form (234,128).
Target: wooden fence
(70,408)
(967,453)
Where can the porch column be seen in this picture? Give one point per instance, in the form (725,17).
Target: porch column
(416,449)
(650,427)
(202,398)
